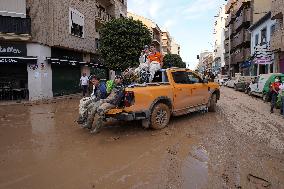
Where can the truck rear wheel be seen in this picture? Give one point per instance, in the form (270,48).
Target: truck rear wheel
(160,116)
(212,103)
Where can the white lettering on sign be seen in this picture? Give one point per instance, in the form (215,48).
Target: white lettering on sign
(9,50)
(8,60)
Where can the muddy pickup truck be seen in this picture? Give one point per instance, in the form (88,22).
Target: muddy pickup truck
(174,92)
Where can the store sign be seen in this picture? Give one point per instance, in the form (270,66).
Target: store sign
(13,49)
(8,60)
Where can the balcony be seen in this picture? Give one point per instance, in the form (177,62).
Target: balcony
(15,25)
(226,45)
(240,4)
(102,16)
(245,16)
(242,37)
(242,55)
(277,8)
(156,38)
(229,6)
(277,40)
(227,34)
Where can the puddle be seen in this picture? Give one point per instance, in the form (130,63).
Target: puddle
(195,169)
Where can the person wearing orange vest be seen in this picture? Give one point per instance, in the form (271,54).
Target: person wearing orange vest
(155,62)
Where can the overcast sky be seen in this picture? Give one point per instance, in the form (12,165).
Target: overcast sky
(190,22)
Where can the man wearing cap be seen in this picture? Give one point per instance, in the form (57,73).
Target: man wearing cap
(143,69)
(102,106)
(99,92)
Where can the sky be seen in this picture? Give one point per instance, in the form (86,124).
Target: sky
(190,22)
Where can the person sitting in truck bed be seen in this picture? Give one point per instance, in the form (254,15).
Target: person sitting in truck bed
(155,62)
(103,105)
(99,92)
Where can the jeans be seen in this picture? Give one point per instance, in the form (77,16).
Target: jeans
(273,100)
(85,89)
(282,103)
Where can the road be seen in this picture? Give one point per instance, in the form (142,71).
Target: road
(239,146)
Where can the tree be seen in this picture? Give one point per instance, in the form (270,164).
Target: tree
(122,41)
(173,60)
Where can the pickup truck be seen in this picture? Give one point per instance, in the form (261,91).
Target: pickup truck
(174,92)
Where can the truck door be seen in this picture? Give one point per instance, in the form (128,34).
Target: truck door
(200,91)
(188,91)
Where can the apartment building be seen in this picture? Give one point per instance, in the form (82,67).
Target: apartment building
(166,42)
(277,39)
(59,40)
(205,62)
(219,37)
(153,27)
(263,58)
(175,47)
(237,37)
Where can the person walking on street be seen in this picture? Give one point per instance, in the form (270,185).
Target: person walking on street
(281,93)
(274,93)
(84,82)
(156,62)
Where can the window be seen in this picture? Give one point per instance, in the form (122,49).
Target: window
(263,36)
(186,78)
(76,23)
(256,39)
(272,29)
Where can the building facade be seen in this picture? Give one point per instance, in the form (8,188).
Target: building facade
(219,37)
(277,39)
(175,47)
(153,27)
(237,37)
(63,36)
(166,42)
(205,62)
(263,60)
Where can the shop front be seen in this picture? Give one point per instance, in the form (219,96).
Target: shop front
(66,71)
(13,71)
(97,67)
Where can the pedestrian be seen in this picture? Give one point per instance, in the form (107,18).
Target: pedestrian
(156,61)
(281,93)
(84,82)
(102,106)
(274,93)
(99,92)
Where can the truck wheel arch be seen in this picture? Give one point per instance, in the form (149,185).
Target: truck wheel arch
(164,100)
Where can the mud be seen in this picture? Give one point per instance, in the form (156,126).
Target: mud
(239,146)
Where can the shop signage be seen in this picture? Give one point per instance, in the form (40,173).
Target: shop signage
(13,49)
(8,60)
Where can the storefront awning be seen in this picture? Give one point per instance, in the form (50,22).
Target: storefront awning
(18,60)
(59,61)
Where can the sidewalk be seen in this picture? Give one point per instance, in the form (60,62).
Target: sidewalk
(45,101)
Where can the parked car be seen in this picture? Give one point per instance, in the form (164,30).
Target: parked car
(261,86)
(177,92)
(242,83)
(221,79)
(231,82)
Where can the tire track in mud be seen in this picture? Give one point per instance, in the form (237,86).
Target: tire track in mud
(250,116)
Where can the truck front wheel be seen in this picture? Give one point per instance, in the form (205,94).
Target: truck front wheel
(160,116)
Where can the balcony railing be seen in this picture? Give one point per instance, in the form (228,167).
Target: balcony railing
(240,4)
(102,15)
(15,25)
(229,5)
(242,37)
(244,17)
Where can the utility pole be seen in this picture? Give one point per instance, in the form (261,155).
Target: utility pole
(230,50)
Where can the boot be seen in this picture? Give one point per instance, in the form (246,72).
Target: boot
(98,126)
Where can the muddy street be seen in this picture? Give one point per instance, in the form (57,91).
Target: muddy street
(239,146)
